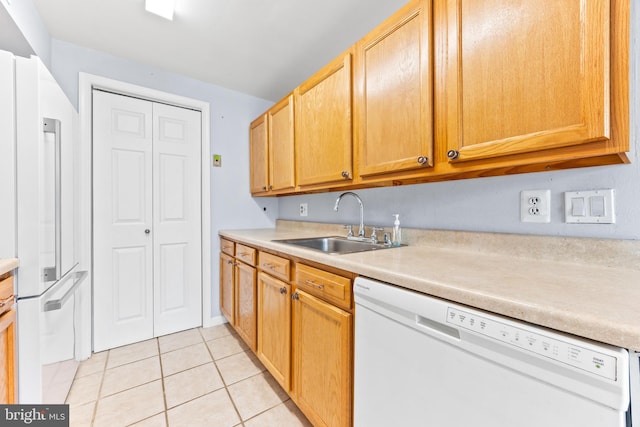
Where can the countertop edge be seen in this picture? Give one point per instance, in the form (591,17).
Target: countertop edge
(562,313)
(8,264)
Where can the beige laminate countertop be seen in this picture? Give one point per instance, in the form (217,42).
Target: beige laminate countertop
(593,292)
(8,264)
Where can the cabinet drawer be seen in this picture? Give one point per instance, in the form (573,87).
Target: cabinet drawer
(227,246)
(246,254)
(331,287)
(274,265)
(6,293)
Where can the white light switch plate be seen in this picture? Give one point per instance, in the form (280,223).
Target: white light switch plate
(589,207)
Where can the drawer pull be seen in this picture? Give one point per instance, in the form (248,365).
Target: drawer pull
(5,301)
(319,286)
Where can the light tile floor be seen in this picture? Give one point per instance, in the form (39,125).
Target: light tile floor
(200,377)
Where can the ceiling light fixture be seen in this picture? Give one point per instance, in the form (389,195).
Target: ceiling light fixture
(162,8)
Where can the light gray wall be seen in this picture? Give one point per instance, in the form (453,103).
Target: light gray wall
(27,19)
(493,204)
(231,113)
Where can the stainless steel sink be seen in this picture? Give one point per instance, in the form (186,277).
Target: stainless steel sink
(334,244)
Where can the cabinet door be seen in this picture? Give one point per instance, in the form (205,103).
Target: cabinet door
(520,78)
(258,152)
(274,327)
(7,357)
(246,303)
(281,137)
(323,125)
(393,93)
(322,361)
(227,294)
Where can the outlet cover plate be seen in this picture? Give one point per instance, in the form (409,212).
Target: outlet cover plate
(535,206)
(304,209)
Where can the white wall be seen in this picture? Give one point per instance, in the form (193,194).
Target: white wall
(231,113)
(493,204)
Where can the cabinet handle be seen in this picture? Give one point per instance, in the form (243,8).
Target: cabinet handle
(229,262)
(270,187)
(283,290)
(269,265)
(453,154)
(264,188)
(346,175)
(5,301)
(319,286)
(423,160)
(295,297)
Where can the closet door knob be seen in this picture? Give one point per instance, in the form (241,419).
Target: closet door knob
(147,231)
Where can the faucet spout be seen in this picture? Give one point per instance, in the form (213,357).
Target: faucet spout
(335,208)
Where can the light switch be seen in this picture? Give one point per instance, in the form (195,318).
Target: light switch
(577,206)
(597,206)
(589,207)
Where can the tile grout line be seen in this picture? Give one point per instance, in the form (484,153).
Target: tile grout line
(104,372)
(224,383)
(164,390)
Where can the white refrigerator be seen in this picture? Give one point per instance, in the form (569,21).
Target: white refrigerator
(41,227)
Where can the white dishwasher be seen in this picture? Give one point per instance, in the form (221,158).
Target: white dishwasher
(423,361)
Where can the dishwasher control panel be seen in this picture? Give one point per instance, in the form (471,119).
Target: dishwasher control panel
(581,357)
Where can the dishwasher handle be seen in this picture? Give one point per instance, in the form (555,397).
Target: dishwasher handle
(56,304)
(437,327)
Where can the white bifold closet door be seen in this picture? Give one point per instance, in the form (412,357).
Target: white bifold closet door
(146,219)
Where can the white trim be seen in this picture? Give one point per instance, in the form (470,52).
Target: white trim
(87,82)
(214,321)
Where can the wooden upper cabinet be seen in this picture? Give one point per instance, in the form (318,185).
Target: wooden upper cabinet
(519,77)
(323,125)
(258,151)
(281,145)
(393,93)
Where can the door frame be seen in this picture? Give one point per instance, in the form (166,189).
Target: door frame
(88,82)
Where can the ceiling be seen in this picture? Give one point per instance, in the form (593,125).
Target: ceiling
(264,48)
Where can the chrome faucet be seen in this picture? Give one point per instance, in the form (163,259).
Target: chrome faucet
(335,208)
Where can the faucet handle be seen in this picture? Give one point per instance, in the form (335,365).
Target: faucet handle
(350,230)
(374,236)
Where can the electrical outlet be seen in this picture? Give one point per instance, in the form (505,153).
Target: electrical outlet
(535,206)
(304,209)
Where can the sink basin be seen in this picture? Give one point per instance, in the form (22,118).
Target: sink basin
(334,244)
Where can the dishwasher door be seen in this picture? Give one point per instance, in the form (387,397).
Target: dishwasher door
(421,361)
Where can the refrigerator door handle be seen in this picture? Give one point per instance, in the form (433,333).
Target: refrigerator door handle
(54,126)
(56,304)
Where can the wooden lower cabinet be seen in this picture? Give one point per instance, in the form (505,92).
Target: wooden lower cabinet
(246,303)
(7,357)
(227,294)
(322,338)
(274,327)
